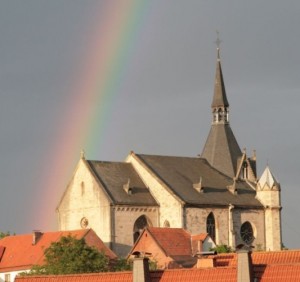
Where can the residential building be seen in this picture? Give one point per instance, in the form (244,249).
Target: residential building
(171,247)
(19,253)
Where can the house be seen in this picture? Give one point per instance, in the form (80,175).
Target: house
(19,253)
(218,192)
(264,267)
(171,247)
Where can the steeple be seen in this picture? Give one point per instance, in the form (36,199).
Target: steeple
(220,105)
(221,149)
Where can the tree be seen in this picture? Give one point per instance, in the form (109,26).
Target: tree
(4,234)
(71,255)
(222,249)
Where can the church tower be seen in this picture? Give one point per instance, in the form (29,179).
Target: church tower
(268,193)
(221,149)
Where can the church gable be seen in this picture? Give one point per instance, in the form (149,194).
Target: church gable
(84,202)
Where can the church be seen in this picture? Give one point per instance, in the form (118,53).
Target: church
(218,192)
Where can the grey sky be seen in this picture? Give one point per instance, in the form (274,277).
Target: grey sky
(165,106)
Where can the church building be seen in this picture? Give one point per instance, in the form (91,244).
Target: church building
(217,193)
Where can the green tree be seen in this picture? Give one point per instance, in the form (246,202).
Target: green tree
(222,249)
(4,234)
(71,255)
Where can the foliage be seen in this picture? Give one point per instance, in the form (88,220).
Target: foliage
(222,249)
(71,255)
(122,264)
(4,234)
(152,265)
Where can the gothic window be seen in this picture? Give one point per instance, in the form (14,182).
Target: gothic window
(139,225)
(247,232)
(211,226)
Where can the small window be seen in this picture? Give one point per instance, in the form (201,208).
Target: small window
(247,232)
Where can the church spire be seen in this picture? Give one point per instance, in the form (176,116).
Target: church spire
(221,149)
(220,105)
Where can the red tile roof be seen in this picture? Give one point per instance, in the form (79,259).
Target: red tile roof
(174,241)
(92,277)
(278,272)
(20,253)
(182,275)
(199,237)
(187,275)
(271,257)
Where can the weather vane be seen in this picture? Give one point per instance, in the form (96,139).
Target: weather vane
(218,41)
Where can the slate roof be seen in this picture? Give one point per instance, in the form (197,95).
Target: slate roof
(20,254)
(221,149)
(219,99)
(180,173)
(114,175)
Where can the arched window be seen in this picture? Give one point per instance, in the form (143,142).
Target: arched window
(139,225)
(211,226)
(247,232)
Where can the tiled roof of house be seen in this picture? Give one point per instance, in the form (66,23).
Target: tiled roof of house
(199,237)
(125,276)
(113,176)
(180,174)
(20,253)
(281,266)
(277,272)
(186,275)
(258,258)
(182,275)
(174,241)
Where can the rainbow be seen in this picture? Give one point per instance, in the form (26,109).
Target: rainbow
(97,85)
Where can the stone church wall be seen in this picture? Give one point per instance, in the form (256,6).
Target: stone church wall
(125,218)
(196,222)
(170,206)
(84,205)
(256,218)
(273,229)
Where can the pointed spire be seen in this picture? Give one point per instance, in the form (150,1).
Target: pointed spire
(268,179)
(219,99)
(221,149)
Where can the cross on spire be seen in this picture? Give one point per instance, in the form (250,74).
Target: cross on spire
(218,43)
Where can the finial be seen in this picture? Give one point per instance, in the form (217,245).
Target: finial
(82,154)
(218,43)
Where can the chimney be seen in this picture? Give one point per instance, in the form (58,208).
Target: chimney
(141,269)
(36,235)
(244,266)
